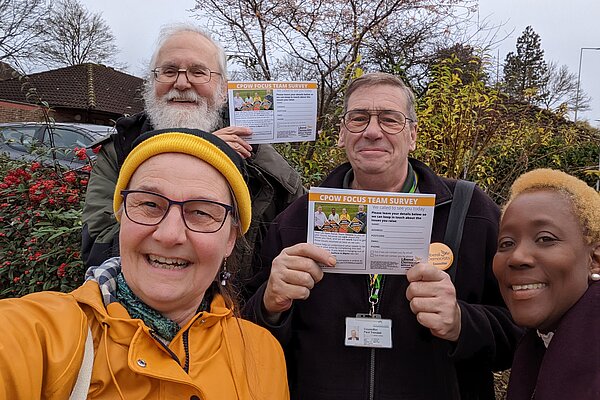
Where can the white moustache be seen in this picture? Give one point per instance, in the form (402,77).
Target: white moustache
(186,95)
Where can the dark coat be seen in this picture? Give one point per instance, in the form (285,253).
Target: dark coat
(570,367)
(419,366)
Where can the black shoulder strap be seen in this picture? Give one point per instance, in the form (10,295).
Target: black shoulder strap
(456,220)
(128,129)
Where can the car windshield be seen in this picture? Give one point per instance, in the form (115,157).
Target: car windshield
(19,138)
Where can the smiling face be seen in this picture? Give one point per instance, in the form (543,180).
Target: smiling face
(168,266)
(181,103)
(374,152)
(543,262)
(184,50)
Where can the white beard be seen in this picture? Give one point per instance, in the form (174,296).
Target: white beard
(168,114)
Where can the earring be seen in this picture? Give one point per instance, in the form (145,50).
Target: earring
(225,275)
(595,277)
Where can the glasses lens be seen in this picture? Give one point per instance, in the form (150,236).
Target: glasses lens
(204,216)
(391,121)
(166,74)
(198,74)
(195,74)
(357,121)
(145,208)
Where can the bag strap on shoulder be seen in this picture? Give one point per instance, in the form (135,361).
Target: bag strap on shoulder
(456,220)
(82,385)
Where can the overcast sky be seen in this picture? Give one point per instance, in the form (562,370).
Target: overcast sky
(564,28)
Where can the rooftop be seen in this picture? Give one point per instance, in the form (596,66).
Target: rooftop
(84,86)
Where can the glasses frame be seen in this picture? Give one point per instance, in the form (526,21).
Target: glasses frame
(156,72)
(375,113)
(227,207)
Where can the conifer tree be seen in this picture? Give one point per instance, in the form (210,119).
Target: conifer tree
(526,72)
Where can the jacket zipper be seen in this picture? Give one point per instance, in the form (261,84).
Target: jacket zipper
(160,340)
(372,367)
(186,347)
(372,377)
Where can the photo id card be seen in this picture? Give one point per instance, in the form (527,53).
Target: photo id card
(368,332)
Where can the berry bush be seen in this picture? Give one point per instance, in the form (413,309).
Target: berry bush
(40,215)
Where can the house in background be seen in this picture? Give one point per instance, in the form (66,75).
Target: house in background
(85,93)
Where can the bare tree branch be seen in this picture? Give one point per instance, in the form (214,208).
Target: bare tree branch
(560,90)
(73,35)
(271,38)
(19,20)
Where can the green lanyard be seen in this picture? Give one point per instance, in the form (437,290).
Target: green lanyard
(375,279)
(374,287)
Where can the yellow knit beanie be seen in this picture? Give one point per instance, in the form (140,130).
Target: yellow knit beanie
(205,146)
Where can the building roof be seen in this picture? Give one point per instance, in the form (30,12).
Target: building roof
(84,86)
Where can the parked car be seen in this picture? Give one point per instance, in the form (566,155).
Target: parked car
(47,142)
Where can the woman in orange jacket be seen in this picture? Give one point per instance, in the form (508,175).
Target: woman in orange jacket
(156,322)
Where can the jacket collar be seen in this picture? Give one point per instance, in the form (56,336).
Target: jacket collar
(90,295)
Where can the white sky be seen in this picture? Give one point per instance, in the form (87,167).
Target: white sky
(564,27)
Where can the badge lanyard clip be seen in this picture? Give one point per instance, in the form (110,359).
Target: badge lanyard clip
(375,286)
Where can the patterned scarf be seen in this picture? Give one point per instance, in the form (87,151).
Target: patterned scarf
(114,288)
(164,327)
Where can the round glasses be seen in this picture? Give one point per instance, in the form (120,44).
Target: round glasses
(390,121)
(147,208)
(196,74)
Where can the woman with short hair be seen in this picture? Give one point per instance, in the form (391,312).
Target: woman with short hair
(548,268)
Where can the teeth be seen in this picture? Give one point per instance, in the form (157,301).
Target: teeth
(167,263)
(529,286)
(183,100)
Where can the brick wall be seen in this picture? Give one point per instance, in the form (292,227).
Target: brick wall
(19,112)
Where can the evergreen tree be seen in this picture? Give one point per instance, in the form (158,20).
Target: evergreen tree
(526,72)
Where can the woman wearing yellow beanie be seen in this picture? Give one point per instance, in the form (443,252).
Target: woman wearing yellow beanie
(157,322)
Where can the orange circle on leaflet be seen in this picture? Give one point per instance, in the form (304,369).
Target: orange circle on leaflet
(440,255)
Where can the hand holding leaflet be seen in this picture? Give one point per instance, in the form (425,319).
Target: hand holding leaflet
(294,272)
(233,136)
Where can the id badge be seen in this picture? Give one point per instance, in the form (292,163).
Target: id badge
(368,331)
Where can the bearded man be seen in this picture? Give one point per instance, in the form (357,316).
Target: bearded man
(186,88)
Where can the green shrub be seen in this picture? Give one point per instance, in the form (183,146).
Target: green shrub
(314,160)
(40,211)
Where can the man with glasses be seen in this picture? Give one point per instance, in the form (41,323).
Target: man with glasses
(446,334)
(186,88)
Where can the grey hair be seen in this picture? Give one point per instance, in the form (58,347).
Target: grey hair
(381,78)
(171,30)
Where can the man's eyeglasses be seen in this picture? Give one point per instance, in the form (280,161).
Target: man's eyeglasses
(147,208)
(390,121)
(196,74)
